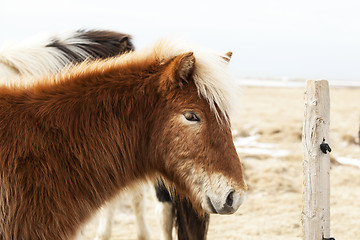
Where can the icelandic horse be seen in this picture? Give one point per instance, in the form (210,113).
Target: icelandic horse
(75,140)
(52,54)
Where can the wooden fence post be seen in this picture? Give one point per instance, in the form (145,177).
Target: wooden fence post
(316,209)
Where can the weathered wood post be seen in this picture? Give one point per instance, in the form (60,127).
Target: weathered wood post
(316,209)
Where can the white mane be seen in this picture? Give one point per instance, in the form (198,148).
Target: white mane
(33,59)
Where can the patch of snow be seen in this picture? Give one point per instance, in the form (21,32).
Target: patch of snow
(348,161)
(249,145)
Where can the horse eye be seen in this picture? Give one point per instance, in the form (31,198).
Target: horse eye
(191,116)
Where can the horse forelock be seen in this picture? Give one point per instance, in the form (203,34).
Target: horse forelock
(214,80)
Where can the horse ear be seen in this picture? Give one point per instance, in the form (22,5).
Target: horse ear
(227,56)
(186,64)
(178,71)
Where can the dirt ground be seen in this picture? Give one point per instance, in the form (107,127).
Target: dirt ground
(271,120)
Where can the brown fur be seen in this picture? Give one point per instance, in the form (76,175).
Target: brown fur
(67,147)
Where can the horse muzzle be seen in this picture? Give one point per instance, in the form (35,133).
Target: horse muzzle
(225,204)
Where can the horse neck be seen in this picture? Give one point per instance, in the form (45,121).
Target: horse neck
(99,127)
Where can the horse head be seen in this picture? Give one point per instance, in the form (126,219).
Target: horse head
(192,137)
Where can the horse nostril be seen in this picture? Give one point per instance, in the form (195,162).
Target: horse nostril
(230,199)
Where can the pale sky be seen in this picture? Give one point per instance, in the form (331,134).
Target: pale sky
(269,38)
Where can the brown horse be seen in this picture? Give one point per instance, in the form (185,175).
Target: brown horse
(73,141)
